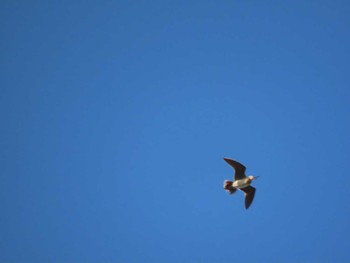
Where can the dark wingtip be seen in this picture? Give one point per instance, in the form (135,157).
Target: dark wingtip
(249,196)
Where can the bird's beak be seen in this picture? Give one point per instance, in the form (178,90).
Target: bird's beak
(256,177)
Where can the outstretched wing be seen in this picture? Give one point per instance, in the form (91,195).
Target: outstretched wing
(239,168)
(249,195)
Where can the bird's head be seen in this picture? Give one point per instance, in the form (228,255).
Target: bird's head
(251,177)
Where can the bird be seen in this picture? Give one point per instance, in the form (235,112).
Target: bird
(241,182)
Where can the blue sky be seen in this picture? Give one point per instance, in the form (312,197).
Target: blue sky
(116,116)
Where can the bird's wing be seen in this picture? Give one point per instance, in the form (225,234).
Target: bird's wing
(249,195)
(239,168)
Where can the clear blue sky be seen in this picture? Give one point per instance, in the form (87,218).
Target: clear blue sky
(115,117)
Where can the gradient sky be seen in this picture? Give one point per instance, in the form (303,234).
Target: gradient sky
(116,116)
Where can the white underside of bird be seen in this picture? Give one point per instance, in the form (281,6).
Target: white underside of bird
(242,183)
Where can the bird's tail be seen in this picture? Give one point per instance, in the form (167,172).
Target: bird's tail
(228,187)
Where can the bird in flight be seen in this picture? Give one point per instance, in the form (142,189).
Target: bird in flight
(241,182)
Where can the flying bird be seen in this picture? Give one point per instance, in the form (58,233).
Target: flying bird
(241,182)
